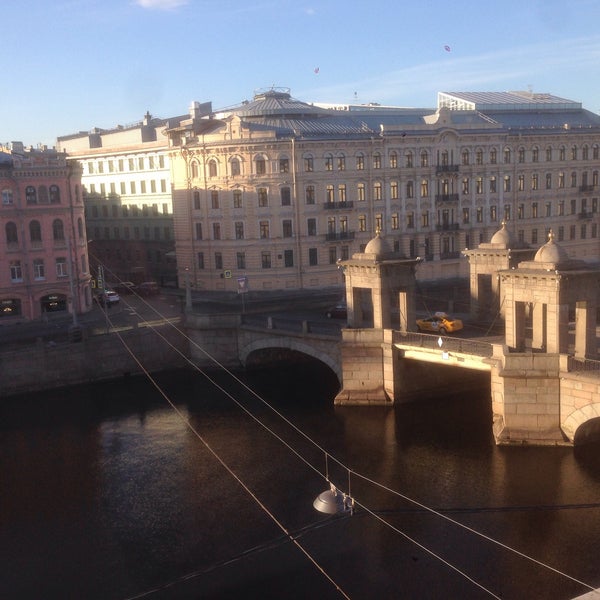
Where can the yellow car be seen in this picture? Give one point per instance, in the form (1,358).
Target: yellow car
(440,323)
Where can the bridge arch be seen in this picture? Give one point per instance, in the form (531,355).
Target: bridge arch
(291,344)
(583,424)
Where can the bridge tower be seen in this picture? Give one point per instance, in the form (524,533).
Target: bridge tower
(380,288)
(540,295)
(485,262)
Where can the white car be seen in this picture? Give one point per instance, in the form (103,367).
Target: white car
(108,298)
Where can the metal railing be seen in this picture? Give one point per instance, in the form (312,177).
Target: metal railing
(449,344)
(586,364)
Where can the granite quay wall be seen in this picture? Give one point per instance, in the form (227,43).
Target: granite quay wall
(41,366)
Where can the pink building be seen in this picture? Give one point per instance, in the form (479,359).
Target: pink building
(43,250)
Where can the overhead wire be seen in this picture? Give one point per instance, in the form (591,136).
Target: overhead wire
(340,464)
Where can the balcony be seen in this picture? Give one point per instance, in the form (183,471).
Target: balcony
(449,255)
(333,236)
(446,169)
(446,197)
(447,227)
(586,188)
(338,205)
(585,215)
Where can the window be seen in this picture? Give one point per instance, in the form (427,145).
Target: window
(196,196)
(466,216)
(288,258)
(479,185)
(261,166)
(465,157)
(61,267)
(58,231)
(341,193)
(465,185)
(239,230)
(410,189)
(328,162)
(492,185)
(214,199)
(30,195)
(548,181)
(329,194)
(395,221)
(573,206)
(561,180)
(16,272)
(312,257)
(235,166)
(573,179)
(393,160)
(240,258)
(286,196)
(394,190)
(424,188)
(521,211)
(308,164)
(360,162)
(549,154)
(200,258)
(54,194)
(548,209)
(218,260)
(410,220)
(378,222)
(309,194)
(35,231)
(520,155)
(216,231)
(332,255)
(331,225)
(506,212)
(424,159)
(286,227)
(493,156)
(237,198)
(132,187)
(425,218)
(408,160)
(341,163)
(479,214)
(479,157)
(572,232)
(38,269)
(535,154)
(561,233)
(493,213)
(264,229)
(377,191)
(311,226)
(265,260)
(521,183)
(7,197)
(574,153)
(360,192)
(262,197)
(284,165)
(377,160)
(534,236)
(12,237)
(506,184)
(562,153)
(362,223)
(561,208)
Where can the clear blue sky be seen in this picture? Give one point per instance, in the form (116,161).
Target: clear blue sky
(70,65)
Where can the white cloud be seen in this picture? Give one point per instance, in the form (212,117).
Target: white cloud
(161,4)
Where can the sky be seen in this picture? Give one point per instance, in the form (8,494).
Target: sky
(72,65)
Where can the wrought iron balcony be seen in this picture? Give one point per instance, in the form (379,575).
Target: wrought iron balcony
(447,227)
(586,188)
(341,236)
(339,205)
(583,215)
(446,169)
(446,197)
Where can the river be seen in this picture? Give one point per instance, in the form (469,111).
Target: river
(106,492)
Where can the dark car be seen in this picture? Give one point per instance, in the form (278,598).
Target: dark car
(148,288)
(339,311)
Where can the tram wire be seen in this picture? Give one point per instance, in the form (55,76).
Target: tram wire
(350,472)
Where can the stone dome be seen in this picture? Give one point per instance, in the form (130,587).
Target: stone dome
(377,246)
(503,237)
(551,252)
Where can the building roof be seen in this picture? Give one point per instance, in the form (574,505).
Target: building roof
(520,100)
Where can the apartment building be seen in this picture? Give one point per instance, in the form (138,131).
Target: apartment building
(43,258)
(127,196)
(275,191)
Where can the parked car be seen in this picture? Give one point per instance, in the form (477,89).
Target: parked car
(107,298)
(148,288)
(339,311)
(440,323)
(125,287)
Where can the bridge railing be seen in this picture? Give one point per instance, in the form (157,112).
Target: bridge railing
(449,344)
(291,325)
(586,365)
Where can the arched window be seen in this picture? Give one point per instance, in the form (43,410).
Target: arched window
(11,233)
(55,194)
(35,231)
(7,197)
(80,228)
(424,158)
(235,166)
(194,169)
(408,160)
(58,230)
(261,165)
(393,159)
(30,195)
(465,157)
(212,168)
(43,194)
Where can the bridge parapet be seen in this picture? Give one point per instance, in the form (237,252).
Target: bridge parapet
(448,344)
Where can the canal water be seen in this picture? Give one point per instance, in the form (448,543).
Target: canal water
(109,491)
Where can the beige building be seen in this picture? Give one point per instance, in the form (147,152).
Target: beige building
(127,194)
(279,190)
